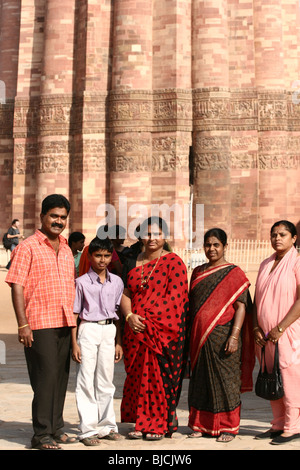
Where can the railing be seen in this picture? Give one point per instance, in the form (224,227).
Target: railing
(248,254)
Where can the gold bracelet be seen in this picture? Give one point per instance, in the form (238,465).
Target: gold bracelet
(20,327)
(234,337)
(256,328)
(236,328)
(129,315)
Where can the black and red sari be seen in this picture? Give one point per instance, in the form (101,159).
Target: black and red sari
(218,379)
(154,359)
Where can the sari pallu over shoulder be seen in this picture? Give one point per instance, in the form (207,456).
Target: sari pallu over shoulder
(213,293)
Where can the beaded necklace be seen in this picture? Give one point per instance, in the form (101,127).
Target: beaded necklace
(144,281)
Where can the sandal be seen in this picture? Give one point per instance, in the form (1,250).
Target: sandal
(195,435)
(65,439)
(46,443)
(135,435)
(154,437)
(90,441)
(112,436)
(226,437)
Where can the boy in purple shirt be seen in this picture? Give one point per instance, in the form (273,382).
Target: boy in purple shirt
(96,344)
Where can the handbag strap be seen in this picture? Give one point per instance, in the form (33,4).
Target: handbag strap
(262,360)
(276,358)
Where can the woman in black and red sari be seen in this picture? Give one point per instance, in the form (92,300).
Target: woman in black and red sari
(155,305)
(220,341)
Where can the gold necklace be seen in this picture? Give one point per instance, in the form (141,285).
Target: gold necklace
(144,281)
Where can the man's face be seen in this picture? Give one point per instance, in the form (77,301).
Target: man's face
(54,221)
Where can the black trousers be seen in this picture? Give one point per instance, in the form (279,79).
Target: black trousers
(48,363)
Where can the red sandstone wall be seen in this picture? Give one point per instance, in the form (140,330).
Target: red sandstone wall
(105,98)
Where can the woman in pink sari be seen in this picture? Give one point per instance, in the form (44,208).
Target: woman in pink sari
(277,319)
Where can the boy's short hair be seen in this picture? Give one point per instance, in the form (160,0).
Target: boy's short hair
(99,244)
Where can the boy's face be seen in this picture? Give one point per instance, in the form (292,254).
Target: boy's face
(99,260)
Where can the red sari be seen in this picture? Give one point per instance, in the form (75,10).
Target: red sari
(154,359)
(217,379)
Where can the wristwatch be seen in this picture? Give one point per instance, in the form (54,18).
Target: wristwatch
(280,329)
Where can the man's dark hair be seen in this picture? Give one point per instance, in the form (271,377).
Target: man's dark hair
(100,244)
(55,200)
(14,221)
(75,237)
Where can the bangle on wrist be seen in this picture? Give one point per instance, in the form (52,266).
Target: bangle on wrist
(256,328)
(23,326)
(234,337)
(129,315)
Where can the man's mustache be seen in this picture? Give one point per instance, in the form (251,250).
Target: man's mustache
(55,224)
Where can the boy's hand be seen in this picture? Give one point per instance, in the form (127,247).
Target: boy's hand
(76,353)
(118,353)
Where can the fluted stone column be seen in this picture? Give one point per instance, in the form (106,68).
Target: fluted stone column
(172,119)
(54,143)
(9,44)
(130,104)
(92,81)
(211,112)
(244,134)
(275,54)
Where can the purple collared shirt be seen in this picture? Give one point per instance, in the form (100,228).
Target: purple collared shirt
(94,300)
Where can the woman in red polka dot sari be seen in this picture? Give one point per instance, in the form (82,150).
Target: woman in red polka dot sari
(155,306)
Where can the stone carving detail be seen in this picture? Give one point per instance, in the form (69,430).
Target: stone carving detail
(211,152)
(154,112)
(212,161)
(90,158)
(130,154)
(279,152)
(170,153)
(276,162)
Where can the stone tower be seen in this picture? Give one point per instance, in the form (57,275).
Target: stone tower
(152,101)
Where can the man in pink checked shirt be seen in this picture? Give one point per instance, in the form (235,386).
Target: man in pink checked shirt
(41,277)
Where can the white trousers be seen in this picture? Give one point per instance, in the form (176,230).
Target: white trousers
(94,385)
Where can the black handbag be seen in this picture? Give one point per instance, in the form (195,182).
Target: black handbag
(269,386)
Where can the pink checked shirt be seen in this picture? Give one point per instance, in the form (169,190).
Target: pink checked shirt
(48,281)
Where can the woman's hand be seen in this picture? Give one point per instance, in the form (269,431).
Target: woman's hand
(136,323)
(259,337)
(274,335)
(231,345)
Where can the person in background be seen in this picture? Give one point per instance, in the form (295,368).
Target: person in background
(76,243)
(14,235)
(41,277)
(276,319)
(117,235)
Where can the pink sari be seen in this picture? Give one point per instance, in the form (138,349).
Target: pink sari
(275,294)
